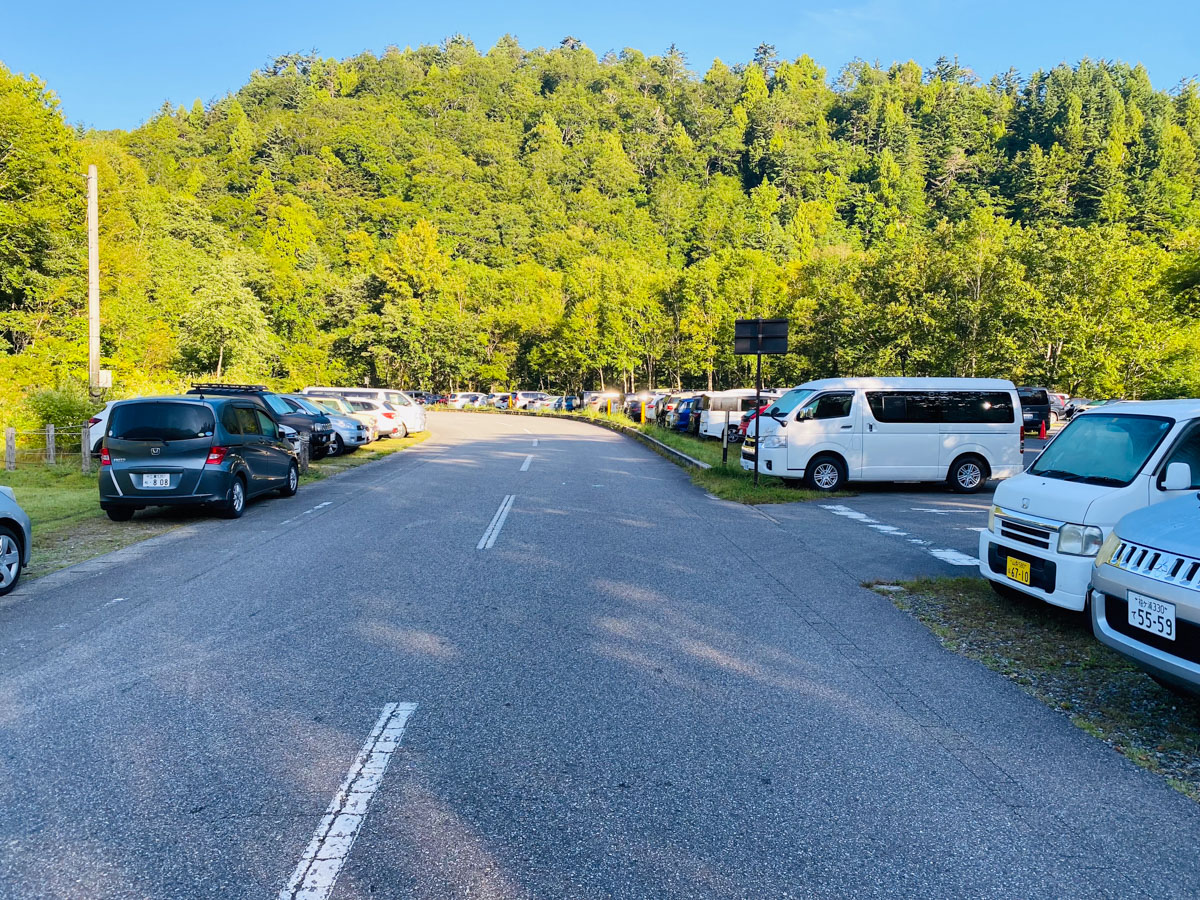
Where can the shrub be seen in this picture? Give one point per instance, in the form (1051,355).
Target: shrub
(66,408)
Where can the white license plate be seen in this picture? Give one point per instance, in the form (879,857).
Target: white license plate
(1152,615)
(156,481)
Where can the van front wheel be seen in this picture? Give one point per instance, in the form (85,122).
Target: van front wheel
(826,474)
(968,475)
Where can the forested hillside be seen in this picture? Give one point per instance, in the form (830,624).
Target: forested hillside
(444,217)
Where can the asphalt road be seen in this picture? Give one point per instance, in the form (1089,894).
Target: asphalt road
(634,691)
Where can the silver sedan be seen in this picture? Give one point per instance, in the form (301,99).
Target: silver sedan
(16,540)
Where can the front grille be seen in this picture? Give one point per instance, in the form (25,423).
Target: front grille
(1187,634)
(1169,568)
(1025,532)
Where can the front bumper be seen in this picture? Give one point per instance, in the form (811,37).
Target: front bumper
(1057,578)
(1176,661)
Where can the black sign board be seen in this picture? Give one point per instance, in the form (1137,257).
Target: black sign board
(765,336)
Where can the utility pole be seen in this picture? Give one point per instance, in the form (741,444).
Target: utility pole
(93,230)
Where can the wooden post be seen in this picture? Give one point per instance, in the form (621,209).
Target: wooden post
(50,448)
(304,437)
(10,449)
(85,448)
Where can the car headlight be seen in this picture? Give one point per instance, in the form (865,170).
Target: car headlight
(992,513)
(1108,548)
(1080,540)
(773,441)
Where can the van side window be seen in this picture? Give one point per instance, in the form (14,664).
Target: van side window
(247,420)
(269,428)
(905,406)
(990,407)
(1187,450)
(230,420)
(831,406)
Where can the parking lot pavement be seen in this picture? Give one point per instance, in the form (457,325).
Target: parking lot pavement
(530,659)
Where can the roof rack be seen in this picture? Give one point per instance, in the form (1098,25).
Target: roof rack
(227,388)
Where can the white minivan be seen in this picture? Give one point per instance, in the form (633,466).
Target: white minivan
(712,422)
(1046,526)
(959,430)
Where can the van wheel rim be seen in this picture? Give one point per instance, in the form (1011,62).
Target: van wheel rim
(969,475)
(239,496)
(292,478)
(826,476)
(10,561)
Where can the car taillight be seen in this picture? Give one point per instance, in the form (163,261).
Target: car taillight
(388,415)
(216,456)
(93,421)
(105,459)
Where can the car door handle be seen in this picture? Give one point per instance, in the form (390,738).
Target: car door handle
(844,427)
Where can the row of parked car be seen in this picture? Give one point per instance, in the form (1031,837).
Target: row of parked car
(219,445)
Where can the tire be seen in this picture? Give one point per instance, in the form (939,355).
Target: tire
(337,446)
(10,560)
(826,474)
(1053,417)
(235,503)
(293,482)
(968,475)
(403,429)
(119,513)
(735,434)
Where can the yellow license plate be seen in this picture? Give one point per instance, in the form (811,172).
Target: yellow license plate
(1018,570)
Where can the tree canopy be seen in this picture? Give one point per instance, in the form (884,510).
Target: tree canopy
(447,218)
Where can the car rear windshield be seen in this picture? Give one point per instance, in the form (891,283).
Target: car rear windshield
(160,421)
(1100,449)
(1033,397)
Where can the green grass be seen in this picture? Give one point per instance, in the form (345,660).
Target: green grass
(730,481)
(1052,654)
(54,496)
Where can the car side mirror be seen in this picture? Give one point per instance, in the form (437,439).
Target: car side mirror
(1178,477)
(804,414)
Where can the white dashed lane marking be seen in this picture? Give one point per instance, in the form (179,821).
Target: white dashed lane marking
(525,465)
(322,861)
(953,557)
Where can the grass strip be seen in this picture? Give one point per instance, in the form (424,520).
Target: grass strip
(1052,654)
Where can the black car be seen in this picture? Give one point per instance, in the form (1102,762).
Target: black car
(192,451)
(316,426)
(1035,407)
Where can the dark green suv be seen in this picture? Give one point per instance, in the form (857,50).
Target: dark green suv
(192,451)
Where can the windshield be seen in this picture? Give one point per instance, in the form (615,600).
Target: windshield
(307,406)
(333,404)
(788,402)
(1102,449)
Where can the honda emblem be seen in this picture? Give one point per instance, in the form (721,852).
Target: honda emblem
(154,451)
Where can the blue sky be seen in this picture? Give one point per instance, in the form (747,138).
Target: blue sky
(116,72)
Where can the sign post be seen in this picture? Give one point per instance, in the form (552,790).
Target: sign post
(759,337)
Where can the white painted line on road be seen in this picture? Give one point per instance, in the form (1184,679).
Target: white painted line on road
(525,465)
(535,440)
(527,431)
(331,842)
(955,558)
(323,505)
(493,530)
(111,602)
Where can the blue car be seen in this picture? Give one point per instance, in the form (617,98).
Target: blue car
(682,414)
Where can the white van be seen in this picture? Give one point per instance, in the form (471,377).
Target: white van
(410,413)
(1046,526)
(712,422)
(960,430)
